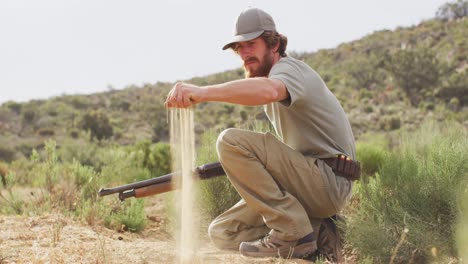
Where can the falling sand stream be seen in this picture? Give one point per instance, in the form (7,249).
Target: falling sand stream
(182,139)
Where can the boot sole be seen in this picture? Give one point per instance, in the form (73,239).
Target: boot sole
(292,252)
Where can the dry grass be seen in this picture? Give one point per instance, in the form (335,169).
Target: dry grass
(54,238)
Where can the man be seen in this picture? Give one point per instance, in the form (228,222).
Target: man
(289,185)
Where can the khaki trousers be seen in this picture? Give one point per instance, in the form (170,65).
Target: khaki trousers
(281,189)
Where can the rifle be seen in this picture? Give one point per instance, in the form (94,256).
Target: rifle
(161,184)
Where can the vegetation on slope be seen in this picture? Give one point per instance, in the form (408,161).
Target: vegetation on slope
(389,83)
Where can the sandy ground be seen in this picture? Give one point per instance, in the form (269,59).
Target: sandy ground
(55,238)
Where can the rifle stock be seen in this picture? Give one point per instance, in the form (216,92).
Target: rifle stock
(161,184)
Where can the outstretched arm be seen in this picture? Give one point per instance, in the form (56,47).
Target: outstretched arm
(251,91)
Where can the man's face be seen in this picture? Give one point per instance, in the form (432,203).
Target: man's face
(257,57)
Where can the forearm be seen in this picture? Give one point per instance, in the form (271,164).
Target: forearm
(252,91)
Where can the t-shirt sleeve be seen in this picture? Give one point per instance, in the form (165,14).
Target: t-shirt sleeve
(292,79)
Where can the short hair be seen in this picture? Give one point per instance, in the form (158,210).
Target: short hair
(272,38)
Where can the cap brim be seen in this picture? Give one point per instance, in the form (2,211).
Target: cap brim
(243,37)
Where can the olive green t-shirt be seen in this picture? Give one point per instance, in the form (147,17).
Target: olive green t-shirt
(312,121)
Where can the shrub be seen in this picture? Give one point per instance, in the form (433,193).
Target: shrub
(11,203)
(427,106)
(453,10)
(129,217)
(46,132)
(93,212)
(455,87)
(365,71)
(47,172)
(3,173)
(416,189)
(368,109)
(156,157)
(74,133)
(122,166)
(15,107)
(454,104)
(7,154)
(98,124)
(79,102)
(370,156)
(25,148)
(214,195)
(29,116)
(86,153)
(85,179)
(389,123)
(414,70)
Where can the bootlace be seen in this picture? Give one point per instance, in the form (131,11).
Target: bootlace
(266,242)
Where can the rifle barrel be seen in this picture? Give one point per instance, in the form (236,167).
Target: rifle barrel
(205,171)
(136,185)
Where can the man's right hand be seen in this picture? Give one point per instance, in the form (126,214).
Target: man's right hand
(183,95)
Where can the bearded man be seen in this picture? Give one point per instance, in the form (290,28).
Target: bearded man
(288,183)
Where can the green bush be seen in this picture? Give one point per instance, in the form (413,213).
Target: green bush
(3,173)
(455,87)
(214,195)
(156,157)
(86,153)
(454,104)
(389,123)
(86,180)
(370,156)
(74,133)
(11,203)
(29,116)
(14,106)
(368,109)
(79,102)
(50,167)
(7,154)
(453,10)
(46,132)
(129,217)
(217,195)
(122,166)
(414,70)
(98,124)
(417,189)
(427,106)
(25,148)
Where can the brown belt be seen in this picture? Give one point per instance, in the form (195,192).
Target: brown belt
(345,167)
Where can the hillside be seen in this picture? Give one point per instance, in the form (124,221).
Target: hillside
(395,86)
(385,81)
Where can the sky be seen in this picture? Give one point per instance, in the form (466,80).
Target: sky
(54,47)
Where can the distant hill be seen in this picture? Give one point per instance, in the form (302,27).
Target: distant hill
(385,81)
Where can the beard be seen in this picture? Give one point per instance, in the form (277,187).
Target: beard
(264,66)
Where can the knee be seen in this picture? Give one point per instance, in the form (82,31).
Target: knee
(225,139)
(226,135)
(219,237)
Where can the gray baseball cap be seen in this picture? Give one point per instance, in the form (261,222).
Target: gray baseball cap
(250,24)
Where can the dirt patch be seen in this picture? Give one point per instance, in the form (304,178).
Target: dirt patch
(56,238)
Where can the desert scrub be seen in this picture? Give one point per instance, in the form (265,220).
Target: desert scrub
(47,168)
(417,188)
(370,156)
(71,187)
(128,216)
(214,195)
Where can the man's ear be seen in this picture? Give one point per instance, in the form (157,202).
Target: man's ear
(276,47)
